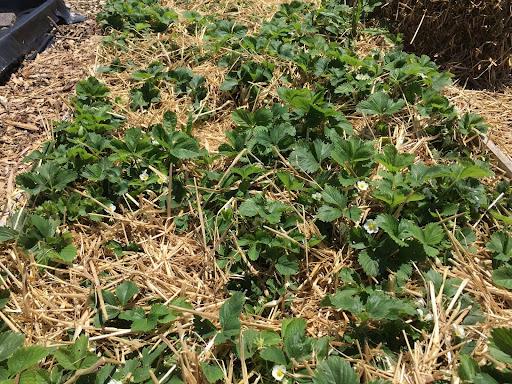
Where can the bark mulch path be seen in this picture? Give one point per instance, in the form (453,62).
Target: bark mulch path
(37,94)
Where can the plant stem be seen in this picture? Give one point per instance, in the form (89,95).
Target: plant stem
(169,191)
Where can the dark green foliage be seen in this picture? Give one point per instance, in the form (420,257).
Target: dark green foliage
(136,16)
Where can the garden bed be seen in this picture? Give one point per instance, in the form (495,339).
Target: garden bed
(346,225)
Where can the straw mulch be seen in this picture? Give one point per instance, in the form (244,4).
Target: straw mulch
(495,107)
(53,306)
(473,39)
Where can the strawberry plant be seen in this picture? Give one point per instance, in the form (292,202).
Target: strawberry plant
(245,82)
(500,246)
(136,16)
(17,361)
(187,83)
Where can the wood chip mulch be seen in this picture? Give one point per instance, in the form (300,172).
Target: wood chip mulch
(37,94)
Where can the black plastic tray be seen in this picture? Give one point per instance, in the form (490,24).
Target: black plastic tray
(30,32)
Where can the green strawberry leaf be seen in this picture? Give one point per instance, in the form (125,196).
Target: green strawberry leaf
(303,159)
(502,276)
(274,355)
(468,368)
(68,253)
(333,196)
(126,292)
(229,317)
(501,245)
(394,161)
(296,345)
(369,265)
(25,358)
(7,234)
(398,231)
(335,370)
(379,104)
(502,338)
(9,343)
(430,237)
(212,372)
(328,214)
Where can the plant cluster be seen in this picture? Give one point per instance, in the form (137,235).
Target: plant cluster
(136,16)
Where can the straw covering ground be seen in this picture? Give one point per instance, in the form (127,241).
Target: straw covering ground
(258,192)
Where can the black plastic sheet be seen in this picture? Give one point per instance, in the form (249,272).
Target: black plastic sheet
(31,30)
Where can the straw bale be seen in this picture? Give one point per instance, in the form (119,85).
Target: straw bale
(473,39)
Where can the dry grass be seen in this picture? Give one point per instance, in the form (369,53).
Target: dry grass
(47,301)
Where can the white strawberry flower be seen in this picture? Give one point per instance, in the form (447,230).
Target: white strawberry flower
(424,315)
(278,372)
(362,186)
(144,175)
(317,196)
(459,330)
(114,381)
(371,226)
(420,302)
(110,208)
